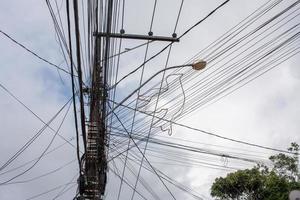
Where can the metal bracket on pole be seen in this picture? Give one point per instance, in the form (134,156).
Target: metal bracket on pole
(137,37)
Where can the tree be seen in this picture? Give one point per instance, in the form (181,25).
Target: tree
(261,182)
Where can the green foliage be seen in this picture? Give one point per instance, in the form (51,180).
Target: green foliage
(260,182)
(286,166)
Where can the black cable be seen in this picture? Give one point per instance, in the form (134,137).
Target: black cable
(127,183)
(77,34)
(147,187)
(229,32)
(42,175)
(42,154)
(212,134)
(243,25)
(121,134)
(73,86)
(59,32)
(160,88)
(33,53)
(50,190)
(233,67)
(193,149)
(173,182)
(25,146)
(64,188)
(126,51)
(155,107)
(30,161)
(138,92)
(143,154)
(143,125)
(182,35)
(39,118)
(118,64)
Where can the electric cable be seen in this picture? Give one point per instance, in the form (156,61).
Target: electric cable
(33,53)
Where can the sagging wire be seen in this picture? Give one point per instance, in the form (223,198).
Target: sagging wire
(164,111)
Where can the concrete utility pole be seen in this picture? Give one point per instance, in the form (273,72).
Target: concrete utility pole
(95,169)
(95,160)
(93,181)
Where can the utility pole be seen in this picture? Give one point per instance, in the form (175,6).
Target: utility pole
(95,160)
(93,181)
(95,168)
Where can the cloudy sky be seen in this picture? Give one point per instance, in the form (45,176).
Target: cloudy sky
(265,111)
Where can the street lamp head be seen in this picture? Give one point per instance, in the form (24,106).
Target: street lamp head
(199,65)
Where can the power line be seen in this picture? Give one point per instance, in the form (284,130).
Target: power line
(73,87)
(182,35)
(126,182)
(64,189)
(166,64)
(51,190)
(191,70)
(143,155)
(193,149)
(38,117)
(33,53)
(210,133)
(138,92)
(171,181)
(28,162)
(147,187)
(196,99)
(59,31)
(78,56)
(42,175)
(24,147)
(43,153)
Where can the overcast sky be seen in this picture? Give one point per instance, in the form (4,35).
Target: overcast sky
(265,111)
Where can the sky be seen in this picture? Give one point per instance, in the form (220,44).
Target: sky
(265,111)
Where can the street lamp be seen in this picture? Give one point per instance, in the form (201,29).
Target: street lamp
(196,66)
(201,64)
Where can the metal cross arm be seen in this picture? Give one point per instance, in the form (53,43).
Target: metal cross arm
(137,37)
